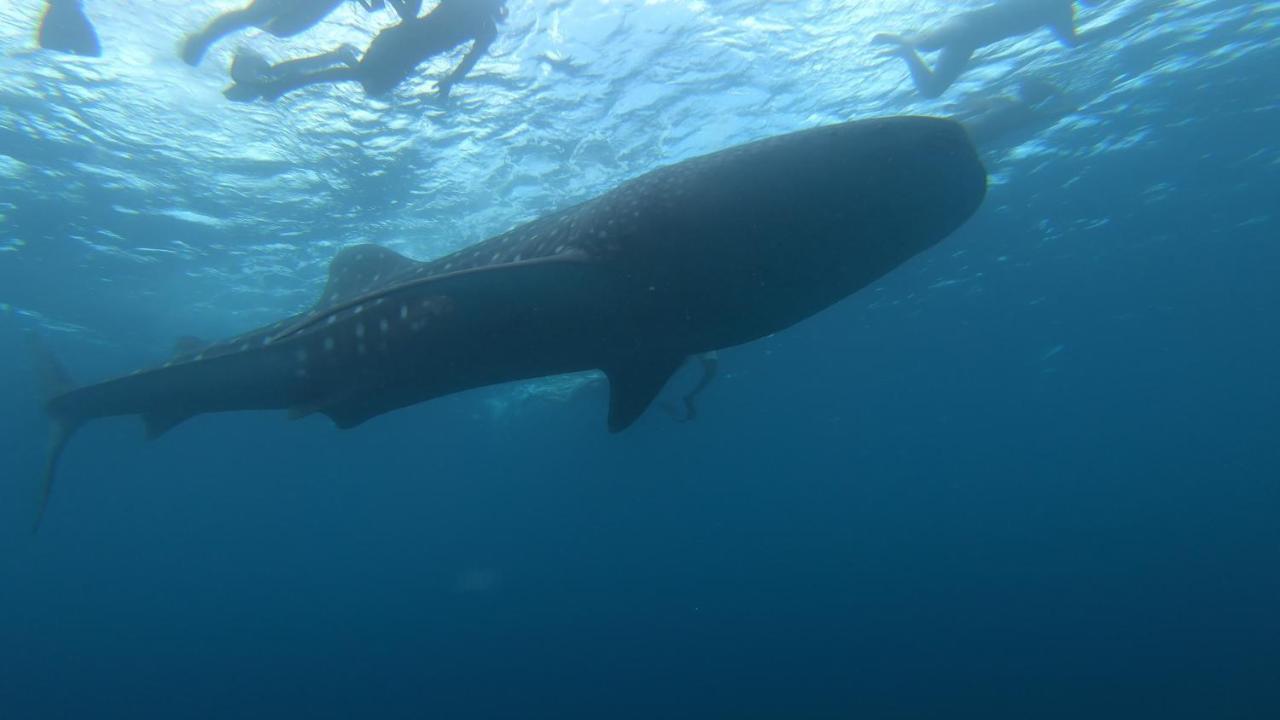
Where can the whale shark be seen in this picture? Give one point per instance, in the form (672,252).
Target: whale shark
(704,254)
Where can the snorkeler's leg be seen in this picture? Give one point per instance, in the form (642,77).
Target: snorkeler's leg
(890,39)
(927,41)
(343,56)
(290,18)
(710,362)
(951,62)
(931,83)
(254,78)
(196,45)
(921,75)
(274,89)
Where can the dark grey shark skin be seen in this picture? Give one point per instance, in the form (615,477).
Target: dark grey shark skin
(697,256)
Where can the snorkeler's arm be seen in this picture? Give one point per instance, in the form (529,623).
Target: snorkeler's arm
(478,49)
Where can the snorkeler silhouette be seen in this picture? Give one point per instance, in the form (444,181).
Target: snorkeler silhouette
(250,71)
(282,18)
(710,362)
(394,53)
(65,28)
(964,34)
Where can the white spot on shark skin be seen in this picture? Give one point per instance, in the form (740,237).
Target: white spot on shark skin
(383,325)
(359,330)
(243,346)
(301,355)
(404,312)
(360,348)
(1052,351)
(332,319)
(266,340)
(300,372)
(328,344)
(359,309)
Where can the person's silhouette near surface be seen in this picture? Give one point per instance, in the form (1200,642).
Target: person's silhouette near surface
(394,54)
(958,38)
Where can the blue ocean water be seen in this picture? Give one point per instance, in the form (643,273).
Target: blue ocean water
(1032,473)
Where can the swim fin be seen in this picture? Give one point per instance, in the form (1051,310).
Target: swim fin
(251,72)
(65,28)
(249,67)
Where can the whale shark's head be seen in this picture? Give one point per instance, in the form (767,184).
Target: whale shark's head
(888,188)
(745,241)
(840,204)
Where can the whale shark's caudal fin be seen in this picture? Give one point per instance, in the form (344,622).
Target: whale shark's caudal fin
(53,381)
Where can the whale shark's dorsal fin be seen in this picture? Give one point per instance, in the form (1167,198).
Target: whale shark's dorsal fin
(359,270)
(634,383)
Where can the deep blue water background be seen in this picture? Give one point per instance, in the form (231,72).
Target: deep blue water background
(1034,473)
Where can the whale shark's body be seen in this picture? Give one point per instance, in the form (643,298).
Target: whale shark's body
(704,254)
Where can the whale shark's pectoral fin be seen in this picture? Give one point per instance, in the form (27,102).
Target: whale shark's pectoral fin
(634,383)
(160,422)
(340,407)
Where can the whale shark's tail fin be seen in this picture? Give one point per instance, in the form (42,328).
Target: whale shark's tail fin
(53,381)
